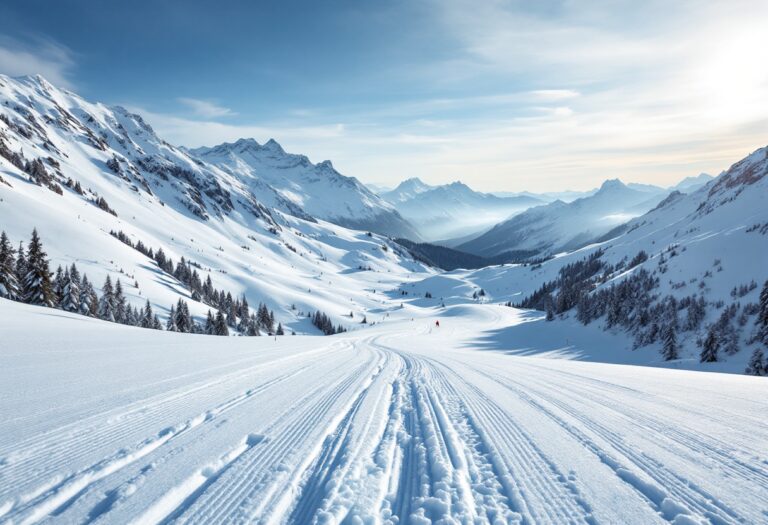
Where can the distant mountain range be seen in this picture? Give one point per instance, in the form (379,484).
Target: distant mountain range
(453,210)
(562,226)
(292,183)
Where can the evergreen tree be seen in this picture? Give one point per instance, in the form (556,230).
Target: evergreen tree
(762,315)
(253,327)
(757,365)
(221,324)
(107,302)
(170,325)
(147,318)
(210,324)
(58,285)
(21,267)
(70,297)
(710,347)
(120,305)
(37,287)
(279,329)
(89,301)
(670,348)
(9,282)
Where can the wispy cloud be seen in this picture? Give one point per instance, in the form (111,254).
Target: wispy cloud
(206,108)
(37,56)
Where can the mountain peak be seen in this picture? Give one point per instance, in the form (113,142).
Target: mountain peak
(612,184)
(273,145)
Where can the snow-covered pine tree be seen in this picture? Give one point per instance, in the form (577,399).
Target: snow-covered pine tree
(107,301)
(58,285)
(121,306)
(37,287)
(9,282)
(221,324)
(279,330)
(170,325)
(762,315)
(70,297)
(757,365)
(232,314)
(710,347)
(253,327)
(147,316)
(21,266)
(670,348)
(89,301)
(210,324)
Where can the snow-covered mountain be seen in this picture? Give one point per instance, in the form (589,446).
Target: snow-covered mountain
(708,250)
(691,184)
(292,183)
(77,170)
(561,226)
(406,190)
(453,210)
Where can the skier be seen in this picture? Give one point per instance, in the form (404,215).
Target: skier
(437,324)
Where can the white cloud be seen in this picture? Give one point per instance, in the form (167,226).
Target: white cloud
(39,56)
(205,108)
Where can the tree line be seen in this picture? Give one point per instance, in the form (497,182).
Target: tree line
(25,276)
(634,304)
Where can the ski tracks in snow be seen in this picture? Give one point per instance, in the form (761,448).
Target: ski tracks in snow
(364,431)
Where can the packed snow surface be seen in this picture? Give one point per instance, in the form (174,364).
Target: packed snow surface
(401,422)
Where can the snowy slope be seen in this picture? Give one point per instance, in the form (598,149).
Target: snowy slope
(400,423)
(291,183)
(166,198)
(561,226)
(707,243)
(453,210)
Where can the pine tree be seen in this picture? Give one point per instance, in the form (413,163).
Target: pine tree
(757,365)
(762,316)
(210,324)
(221,324)
(279,329)
(120,305)
(107,301)
(21,267)
(89,301)
(710,347)
(670,348)
(147,318)
(170,325)
(58,285)
(253,327)
(37,287)
(70,297)
(9,282)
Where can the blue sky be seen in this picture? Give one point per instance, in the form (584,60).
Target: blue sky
(521,95)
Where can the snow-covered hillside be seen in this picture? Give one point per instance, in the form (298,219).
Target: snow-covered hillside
(561,226)
(295,185)
(453,210)
(710,245)
(77,170)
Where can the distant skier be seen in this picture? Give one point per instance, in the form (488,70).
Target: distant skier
(437,324)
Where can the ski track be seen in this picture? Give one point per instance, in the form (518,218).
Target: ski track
(365,430)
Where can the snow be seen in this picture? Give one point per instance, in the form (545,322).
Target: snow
(401,422)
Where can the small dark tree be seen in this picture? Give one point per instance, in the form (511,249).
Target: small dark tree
(710,347)
(37,281)
(221,324)
(757,365)
(107,301)
(670,349)
(9,282)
